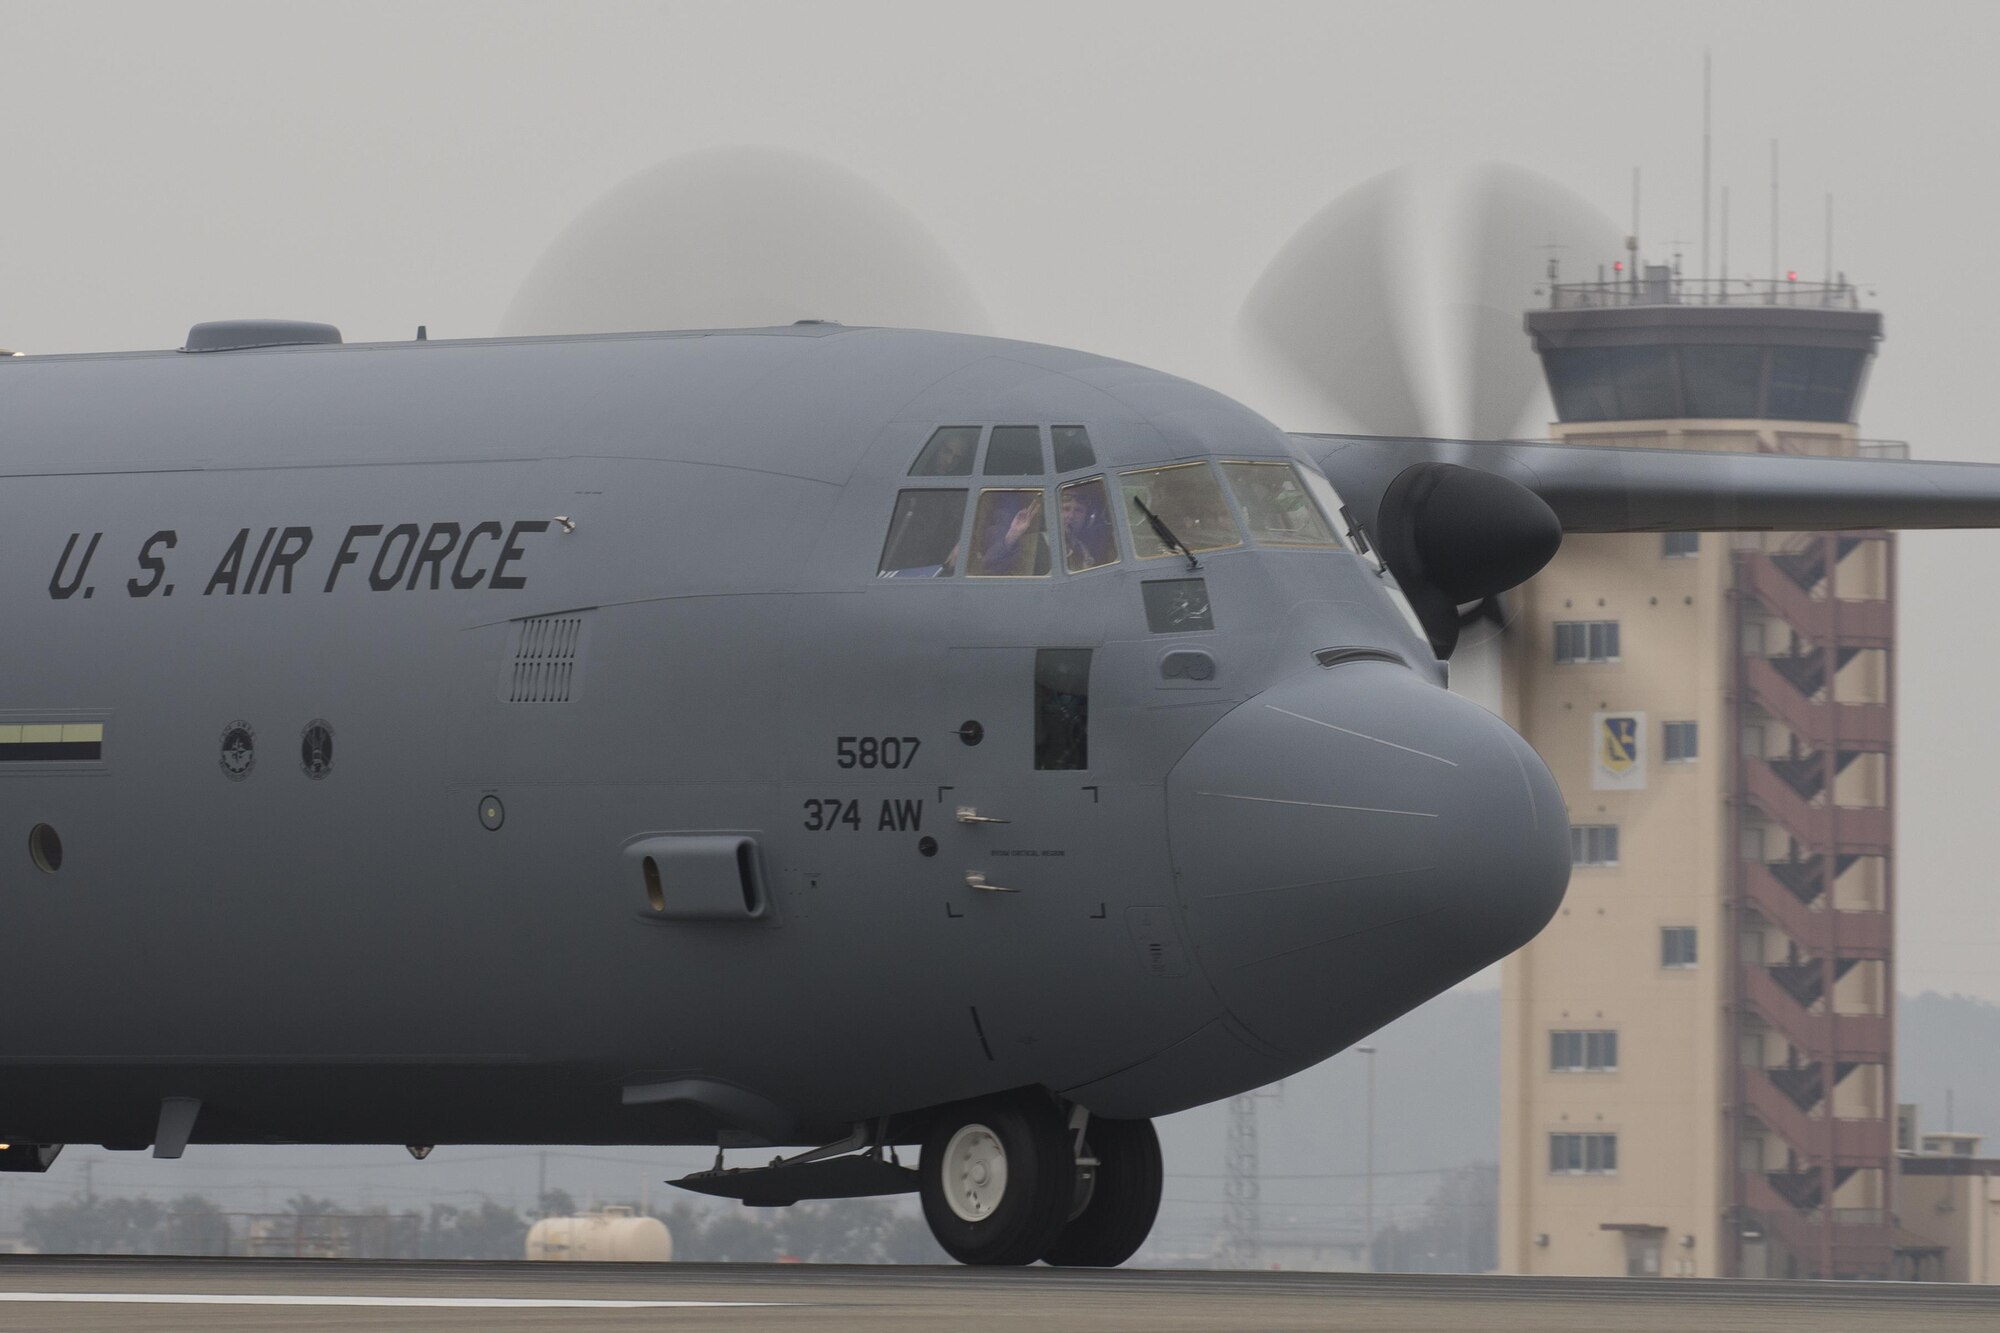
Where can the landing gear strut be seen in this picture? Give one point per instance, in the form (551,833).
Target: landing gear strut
(1003,1183)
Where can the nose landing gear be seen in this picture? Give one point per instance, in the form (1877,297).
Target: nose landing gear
(1002,1183)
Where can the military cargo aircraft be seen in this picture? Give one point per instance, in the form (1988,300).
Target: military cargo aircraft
(819,738)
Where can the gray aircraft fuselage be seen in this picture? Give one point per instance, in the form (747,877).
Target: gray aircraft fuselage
(446,693)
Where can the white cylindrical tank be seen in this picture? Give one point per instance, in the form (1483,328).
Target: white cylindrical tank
(610,1235)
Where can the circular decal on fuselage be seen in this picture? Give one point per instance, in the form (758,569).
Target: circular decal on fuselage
(239,751)
(316,749)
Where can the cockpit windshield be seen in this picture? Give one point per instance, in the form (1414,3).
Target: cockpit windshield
(1187,500)
(923,536)
(1276,506)
(1009,536)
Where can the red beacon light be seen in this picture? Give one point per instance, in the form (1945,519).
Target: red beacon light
(1791,275)
(1617,266)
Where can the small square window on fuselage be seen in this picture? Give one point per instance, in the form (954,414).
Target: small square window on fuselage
(948,454)
(1015,451)
(1072,445)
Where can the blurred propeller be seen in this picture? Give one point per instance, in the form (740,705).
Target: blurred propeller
(739,238)
(1344,312)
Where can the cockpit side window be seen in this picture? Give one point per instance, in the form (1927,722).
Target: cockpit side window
(923,535)
(1088,542)
(1072,445)
(1015,451)
(1187,500)
(948,453)
(1276,507)
(1009,536)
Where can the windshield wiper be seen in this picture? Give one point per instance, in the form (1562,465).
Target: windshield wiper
(1165,533)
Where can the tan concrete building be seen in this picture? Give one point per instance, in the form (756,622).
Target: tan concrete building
(1948,1201)
(1697,1056)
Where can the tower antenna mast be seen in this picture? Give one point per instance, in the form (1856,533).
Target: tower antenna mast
(1774,220)
(1706,160)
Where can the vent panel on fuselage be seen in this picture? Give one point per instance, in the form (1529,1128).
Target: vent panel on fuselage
(547,660)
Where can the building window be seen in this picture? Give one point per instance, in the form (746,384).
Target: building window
(1583,1154)
(1682,742)
(1593,844)
(1679,545)
(1677,946)
(1583,1052)
(1586,641)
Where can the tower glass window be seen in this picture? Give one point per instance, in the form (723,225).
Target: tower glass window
(1722,381)
(1682,742)
(1813,383)
(1677,947)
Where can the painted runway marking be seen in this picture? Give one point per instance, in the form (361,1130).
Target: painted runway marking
(1319,805)
(1361,735)
(392,1302)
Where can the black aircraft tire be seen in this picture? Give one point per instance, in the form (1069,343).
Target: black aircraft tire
(1123,1202)
(1015,1223)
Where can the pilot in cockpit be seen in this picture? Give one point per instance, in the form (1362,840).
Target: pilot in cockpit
(1086,527)
(1009,540)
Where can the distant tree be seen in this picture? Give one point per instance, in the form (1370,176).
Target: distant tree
(854,1231)
(736,1236)
(490,1231)
(98,1225)
(834,1231)
(1459,1231)
(556,1203)
(196,1226)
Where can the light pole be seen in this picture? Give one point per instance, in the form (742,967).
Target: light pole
(1368,1176)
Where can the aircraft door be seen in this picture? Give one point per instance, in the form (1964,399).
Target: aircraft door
(1017,811)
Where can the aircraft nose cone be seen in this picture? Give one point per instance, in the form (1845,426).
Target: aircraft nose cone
(1351,842)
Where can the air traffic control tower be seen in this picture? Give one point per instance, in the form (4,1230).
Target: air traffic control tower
(1696,1075)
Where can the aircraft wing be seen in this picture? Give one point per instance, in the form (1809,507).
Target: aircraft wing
(1609,488)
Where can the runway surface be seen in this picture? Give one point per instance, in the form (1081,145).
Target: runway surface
(237,1295)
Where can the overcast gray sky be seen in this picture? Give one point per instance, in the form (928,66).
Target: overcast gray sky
(1108,176)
